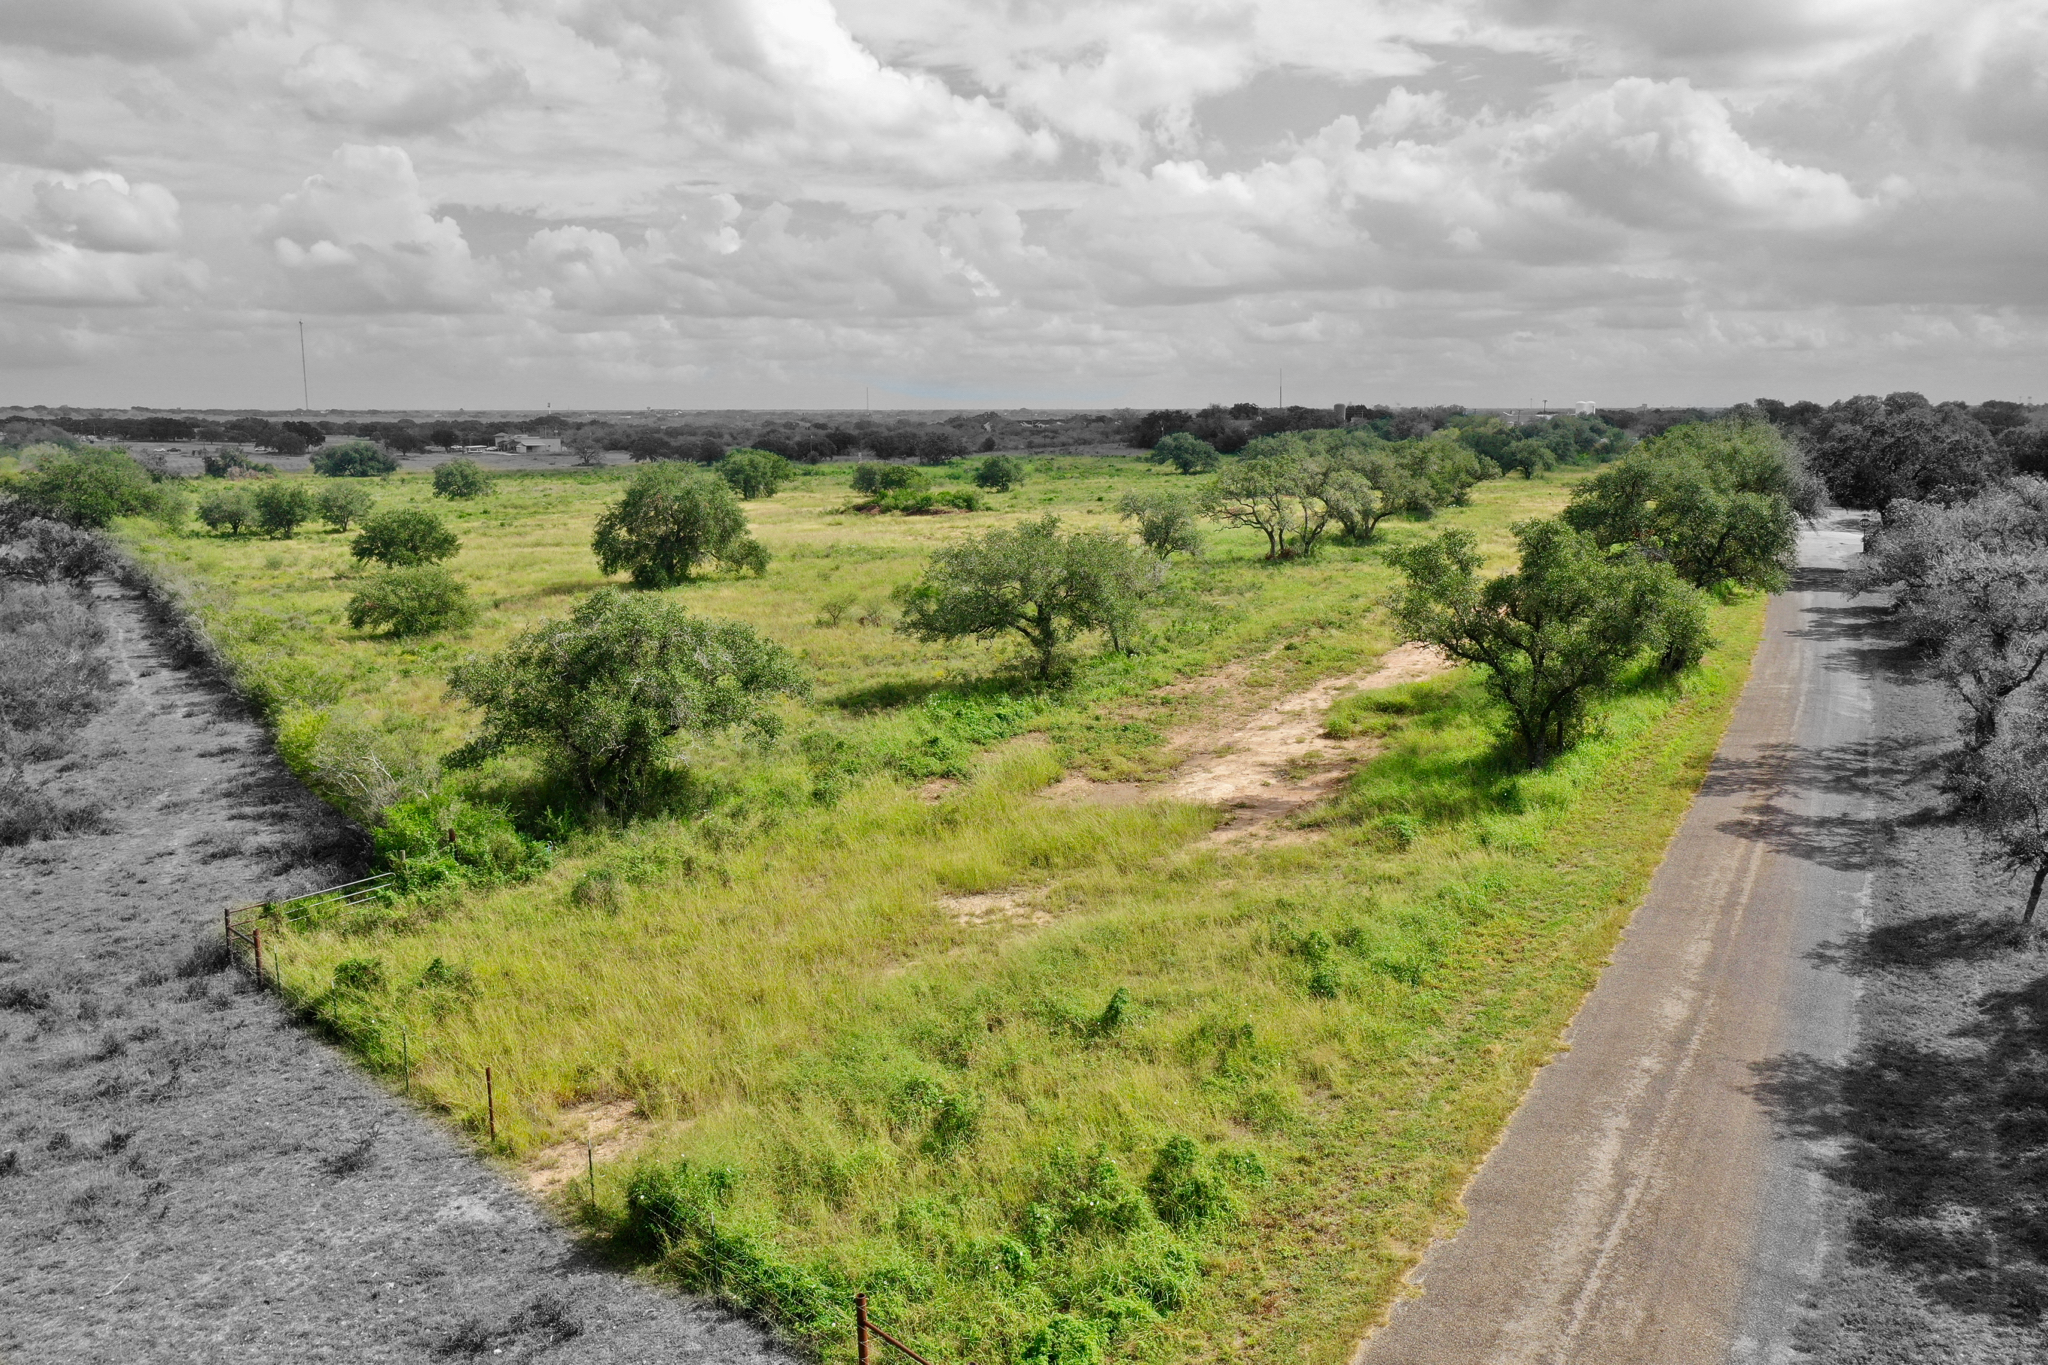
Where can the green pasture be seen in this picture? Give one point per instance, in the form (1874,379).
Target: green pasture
(958,1105)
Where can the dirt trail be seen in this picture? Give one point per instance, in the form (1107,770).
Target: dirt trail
(184,1175)
(1269,764)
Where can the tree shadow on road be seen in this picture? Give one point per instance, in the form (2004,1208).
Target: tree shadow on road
(1781,776)
(1941,1141)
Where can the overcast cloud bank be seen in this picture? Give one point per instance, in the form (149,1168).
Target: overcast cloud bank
(764,202)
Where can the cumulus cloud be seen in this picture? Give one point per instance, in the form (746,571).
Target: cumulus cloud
(105,213)
(1660,153)
(341,83)
(126,28)
(362,235)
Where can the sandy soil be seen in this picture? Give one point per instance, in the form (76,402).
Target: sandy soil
(1262,765)
(185,1175)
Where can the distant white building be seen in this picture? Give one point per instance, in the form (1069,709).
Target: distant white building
(1584,407)
(518,443)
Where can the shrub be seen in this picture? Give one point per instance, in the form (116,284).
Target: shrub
(341,503)
(886,478)
(999,473)
(603,694)
(46,551)
(1553,633)
(461,479)
(1719,501)
(281,508)
(354,460)
(227,462)
(754,473)
(416,599)
(1166,522)
(404,537)
(443,839)
(1184,1193)
(227,509)
(671,519)
(1188,454)
(86,487)
(923,501)
(1032,581)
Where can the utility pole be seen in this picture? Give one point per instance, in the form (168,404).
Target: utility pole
(305,388)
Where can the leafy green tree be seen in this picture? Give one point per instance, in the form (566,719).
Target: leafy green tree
(603,695)
(873,476)
(1719,501)
(281,508)
(462,478)
(403,537)
(1189,454)
(445,437)
(1166,522)
(754,473)
(227,509)
(671,519)
(86,487)
(1551,635)
(1277,486)
(341,503)
(354,460)
(223,462)
(416,600)
(999,473)
(1031,581)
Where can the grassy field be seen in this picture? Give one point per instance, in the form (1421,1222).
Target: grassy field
(973,1117)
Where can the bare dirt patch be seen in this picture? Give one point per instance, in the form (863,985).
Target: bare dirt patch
(990,908)
(185,1174)
(609,1128)
(1265,765)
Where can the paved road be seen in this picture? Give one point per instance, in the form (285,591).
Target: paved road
(1641,1207)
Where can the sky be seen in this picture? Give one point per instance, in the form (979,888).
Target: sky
(1000,203)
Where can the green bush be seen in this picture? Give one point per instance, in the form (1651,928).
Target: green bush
(603,694)
(874,477)
(416,599)
(754,473)
(913,502)
(1188,454)
(672,519)
(341,503)
(461,479)
(221,463)
(1166,522)
(227,509)
(86,487)
(354,460)
(281,508)
(364,975)
(443,839)
(999,473)
(404,537)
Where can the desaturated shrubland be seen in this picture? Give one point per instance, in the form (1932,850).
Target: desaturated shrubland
(1970,586)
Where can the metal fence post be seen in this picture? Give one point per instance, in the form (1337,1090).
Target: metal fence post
(490,1105)
(860,1326)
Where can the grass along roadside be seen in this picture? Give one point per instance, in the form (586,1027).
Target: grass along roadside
(963,1119)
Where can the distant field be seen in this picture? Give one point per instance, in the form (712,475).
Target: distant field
(935,1098)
